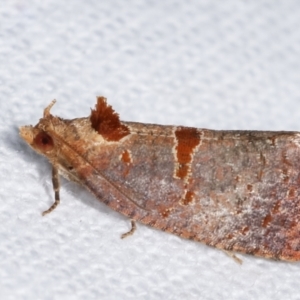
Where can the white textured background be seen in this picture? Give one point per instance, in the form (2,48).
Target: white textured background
(213,64)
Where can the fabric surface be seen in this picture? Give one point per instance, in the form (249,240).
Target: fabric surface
(212,64)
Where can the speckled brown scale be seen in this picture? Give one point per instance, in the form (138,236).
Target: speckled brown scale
(234,190)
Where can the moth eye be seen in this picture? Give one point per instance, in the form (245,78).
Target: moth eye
(43,141)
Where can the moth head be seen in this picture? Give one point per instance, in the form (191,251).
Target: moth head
(37,137)
(39,140)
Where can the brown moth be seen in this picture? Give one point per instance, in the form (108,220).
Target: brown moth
(234,190)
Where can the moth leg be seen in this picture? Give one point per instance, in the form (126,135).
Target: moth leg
(233,256)
(131,231)
(55,183)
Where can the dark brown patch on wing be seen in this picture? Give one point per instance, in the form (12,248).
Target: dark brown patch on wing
(125,157)
(188,198)
(106,121)
(187,140)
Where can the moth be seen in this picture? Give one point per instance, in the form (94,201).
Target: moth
(235,190)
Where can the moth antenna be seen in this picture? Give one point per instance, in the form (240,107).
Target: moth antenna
(48,108)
